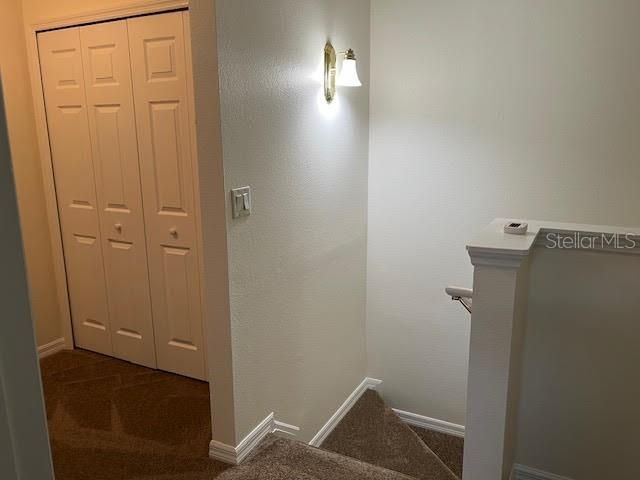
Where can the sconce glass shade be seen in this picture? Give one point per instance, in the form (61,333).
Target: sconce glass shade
(348,76)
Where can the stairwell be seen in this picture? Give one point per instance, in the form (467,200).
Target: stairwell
(371,442)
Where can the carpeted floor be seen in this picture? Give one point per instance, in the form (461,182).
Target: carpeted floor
(112,420)
(373,433)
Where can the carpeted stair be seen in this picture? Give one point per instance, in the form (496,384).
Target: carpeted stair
(370,443)
(283,459)
(448,448)
(373,433)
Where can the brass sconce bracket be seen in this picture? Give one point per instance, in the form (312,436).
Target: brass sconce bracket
(329,72)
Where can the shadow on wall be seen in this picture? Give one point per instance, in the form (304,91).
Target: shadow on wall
(22,419)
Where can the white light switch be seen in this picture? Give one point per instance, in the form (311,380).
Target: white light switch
(241,201)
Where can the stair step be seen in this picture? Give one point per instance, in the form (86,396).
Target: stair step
(279,458)
(449,448)
(373,433)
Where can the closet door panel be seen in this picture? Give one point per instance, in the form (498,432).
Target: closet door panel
(105,54)
(63,83)
(160,70)
(64,92)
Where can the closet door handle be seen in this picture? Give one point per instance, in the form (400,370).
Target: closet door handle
(118,227)
(173,231)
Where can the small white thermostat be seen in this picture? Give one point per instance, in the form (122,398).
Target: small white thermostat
(516,228)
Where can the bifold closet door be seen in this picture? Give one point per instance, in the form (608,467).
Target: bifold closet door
(89,102)
(70,142)
(158,46)
(107,74)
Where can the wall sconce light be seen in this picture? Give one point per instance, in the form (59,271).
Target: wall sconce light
(348,76)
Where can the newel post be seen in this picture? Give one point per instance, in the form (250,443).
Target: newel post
(497,331)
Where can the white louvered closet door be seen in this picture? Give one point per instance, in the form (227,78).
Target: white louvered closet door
(70,142)
(161,70)
(107,75)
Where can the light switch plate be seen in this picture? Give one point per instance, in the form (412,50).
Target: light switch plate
(241,202)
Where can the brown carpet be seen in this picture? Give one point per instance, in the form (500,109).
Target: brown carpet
(112,420)
(449,448)
(280,459)
(373,433)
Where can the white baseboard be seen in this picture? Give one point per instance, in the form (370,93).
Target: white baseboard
(430,423)
(50,348)
(522,472)
(235,455)
(327,428)
(285,428)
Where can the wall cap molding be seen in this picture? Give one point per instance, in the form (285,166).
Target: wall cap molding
(492,247)
(430,423)
(522,472)
(367,384)
(496,257)
(50,348)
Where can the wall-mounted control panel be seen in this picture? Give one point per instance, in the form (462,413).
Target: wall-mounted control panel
(241,202)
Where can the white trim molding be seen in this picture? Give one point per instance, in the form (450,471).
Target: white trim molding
(285,429)
(327,428)
(430,423)
(132,9)
(50,348)
(236,455)
(522,472)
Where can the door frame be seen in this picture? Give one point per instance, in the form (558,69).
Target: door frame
(134,8)
(208,165)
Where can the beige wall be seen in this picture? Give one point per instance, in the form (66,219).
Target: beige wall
(28,174)
(297,264)
(580,395)
(479,110)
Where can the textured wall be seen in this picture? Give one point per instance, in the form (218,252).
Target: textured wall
(580,395)
(297,264)
(481,110)
(28,174)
